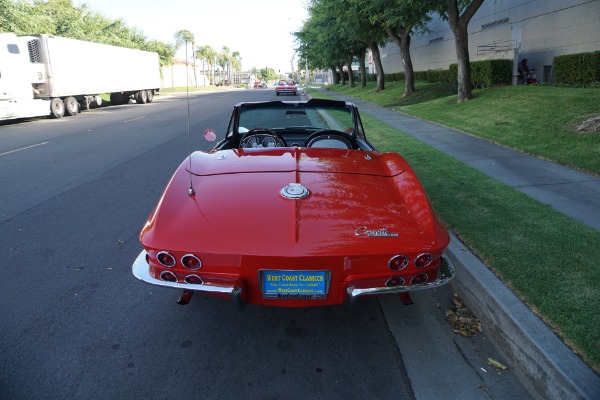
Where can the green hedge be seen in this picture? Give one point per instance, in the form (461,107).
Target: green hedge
(483,74)
(486,73)
(437,75)
(453,74)
(577,69)
(395,77)
(423,76)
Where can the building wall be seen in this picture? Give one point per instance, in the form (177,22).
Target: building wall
(534,29)
(175,75)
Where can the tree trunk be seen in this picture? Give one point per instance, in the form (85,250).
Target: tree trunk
(350,75)
(213,72)
(363,69)
(459,25)
(464,66)
(342,78)
(378,66)
(403,41)
(336,78)
(194,61)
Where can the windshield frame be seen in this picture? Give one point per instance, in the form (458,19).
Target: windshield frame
(293,107)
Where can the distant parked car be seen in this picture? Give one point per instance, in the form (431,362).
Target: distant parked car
(262,85)
(286,87)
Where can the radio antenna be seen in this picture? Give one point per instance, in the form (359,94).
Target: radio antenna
(191,191)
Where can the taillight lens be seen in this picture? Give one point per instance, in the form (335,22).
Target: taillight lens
(165,259)
(190,261)
(395,281)
(398,262)
(419,279)
(168,276)
(194,280)
(423,260)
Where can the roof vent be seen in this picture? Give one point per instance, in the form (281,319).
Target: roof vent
(494,24)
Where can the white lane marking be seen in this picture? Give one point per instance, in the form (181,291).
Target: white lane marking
(134,119)
(24,148)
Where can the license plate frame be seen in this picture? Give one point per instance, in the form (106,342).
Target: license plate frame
(294,284)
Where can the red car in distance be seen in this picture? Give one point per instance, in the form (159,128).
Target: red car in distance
(286,87)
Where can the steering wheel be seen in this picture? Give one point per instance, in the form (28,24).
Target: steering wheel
(330,138)
(261,137)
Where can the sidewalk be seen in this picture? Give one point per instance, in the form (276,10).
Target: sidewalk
(572,193)
(545,365)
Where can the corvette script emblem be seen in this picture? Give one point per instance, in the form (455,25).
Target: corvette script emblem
(383,232)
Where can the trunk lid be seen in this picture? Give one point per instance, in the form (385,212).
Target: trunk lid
(358,202)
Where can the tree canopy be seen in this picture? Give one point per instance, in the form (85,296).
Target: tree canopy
(338,31)
(62,18)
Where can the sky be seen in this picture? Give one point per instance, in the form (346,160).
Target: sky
(260,30)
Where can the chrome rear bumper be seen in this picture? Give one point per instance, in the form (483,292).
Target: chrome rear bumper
(446,274)
(141,270)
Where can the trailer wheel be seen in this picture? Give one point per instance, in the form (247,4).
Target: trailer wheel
(150,95)
(71,106)
(57,108)
(142,97)
(96,101)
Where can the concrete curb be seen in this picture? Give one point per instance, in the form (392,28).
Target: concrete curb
(546,367)
(543,363)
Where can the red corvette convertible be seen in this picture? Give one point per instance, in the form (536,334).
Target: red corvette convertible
(286,87)
(294,207)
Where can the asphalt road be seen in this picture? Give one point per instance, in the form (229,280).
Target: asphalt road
(75,324)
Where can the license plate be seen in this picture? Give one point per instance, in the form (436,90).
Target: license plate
(294,284)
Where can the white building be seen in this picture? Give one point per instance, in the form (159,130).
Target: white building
(181,74)
(537,30)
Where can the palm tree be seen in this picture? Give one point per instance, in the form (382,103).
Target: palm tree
(183,37)
(236,63)
(207,54)
(226,61)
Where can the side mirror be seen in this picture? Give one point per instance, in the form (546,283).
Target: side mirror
(210,135)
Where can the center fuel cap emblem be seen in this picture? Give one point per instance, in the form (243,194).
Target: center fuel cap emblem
(294,191)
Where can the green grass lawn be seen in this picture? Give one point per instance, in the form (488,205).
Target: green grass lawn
(538,120)
(547,258)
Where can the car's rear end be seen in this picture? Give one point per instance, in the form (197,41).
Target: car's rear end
(286,87)
(296,227)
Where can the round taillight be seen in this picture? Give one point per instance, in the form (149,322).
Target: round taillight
(398,262)
(194,280)
(419,279)
(168,276)
(190,261)
(423,260)
(395,281)
(165,259)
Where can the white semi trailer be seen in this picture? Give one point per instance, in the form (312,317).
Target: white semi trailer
(50,75)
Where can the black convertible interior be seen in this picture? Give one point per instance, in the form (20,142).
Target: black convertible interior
(326,138)
(315,123)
